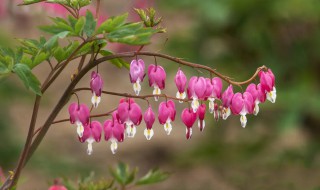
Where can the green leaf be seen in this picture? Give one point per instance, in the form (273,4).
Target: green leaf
(132,34)
(112,24)
(79,26)
(122,174)
(39,58)
(27,77)
(90,24)
(29,2)
(153,176)
(118,62)
(54,39)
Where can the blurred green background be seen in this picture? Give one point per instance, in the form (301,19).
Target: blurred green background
(279,149)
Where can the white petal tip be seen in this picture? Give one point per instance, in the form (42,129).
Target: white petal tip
(148,133)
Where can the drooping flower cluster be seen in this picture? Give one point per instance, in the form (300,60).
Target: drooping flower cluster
(202,95)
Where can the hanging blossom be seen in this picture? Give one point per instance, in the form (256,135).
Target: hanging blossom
(91,134)
(188,117)
(157,78)
(258,96)
(242,104)
(130,114)
(214,88)
(181,82)
(267,81)
(167,114)
(114,131)
(196,91)
(226,102)
(149,118)
(79,114)
(57,187)
(96,85)
(216,112)
(137,74)
(201,115)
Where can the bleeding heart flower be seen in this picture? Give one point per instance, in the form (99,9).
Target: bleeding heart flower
(149,119)
(157,78)
(137,74)
(79,114)
(242,104)
(167,114)
(216,83)
(267,81)
(181,82)
(196,91)
(57,187)
(188,117)
(130,114)
(216,112)
(96,85)
(201,116)
(258,96)
(226,102)
(91,134)
(114,131)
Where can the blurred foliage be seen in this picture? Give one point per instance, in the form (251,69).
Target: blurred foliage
(122,178)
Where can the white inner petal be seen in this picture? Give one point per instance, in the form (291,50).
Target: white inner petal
(256,108)
(272,95)
(113,146)
(137,87)
(195,104)
(156,91)
(226,113)
(243,120)
(168,127)
(90,141)
(80,128)
(131,131)
(181,96)
(148,133)
(211,105)
(95,100)
(203,124)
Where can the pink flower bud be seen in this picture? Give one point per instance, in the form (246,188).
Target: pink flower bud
(79,114)
(57,187)
(91,134)
(181,82)
(96,85)
(267,81)
(188,117)
(226,102)
(242,104)
(201,116)
(130,113)
(137,74)
(196,91)
(149,118)
(157,78)
(167,114)
(114,131)
(258,96)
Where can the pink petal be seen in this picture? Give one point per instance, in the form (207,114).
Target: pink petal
(188,117)
(237,103)
(180,81)
(149,117)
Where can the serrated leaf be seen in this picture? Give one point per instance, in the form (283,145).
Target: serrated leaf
(132,34)
(90,24)
(79,26)
(118,62)
(112,24)
(54,39)
(153,176)
(27,77)
(39,58)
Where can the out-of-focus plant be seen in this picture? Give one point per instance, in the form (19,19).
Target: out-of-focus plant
(122,178)
(87,42)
